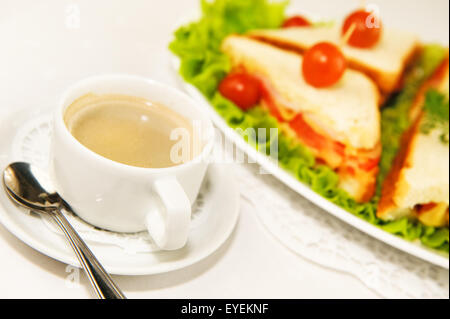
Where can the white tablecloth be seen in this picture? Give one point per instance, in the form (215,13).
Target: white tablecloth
(45,48)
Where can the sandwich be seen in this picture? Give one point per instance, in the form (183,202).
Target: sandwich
(321,86)
(340,124)
(418,184)
(385,62)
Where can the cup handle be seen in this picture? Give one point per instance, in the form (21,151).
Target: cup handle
(168,224)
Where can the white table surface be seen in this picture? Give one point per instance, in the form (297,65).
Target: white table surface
(40,56)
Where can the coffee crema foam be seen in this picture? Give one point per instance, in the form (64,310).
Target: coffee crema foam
(131,130)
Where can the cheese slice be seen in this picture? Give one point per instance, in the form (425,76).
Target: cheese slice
(347,111)
(384,63)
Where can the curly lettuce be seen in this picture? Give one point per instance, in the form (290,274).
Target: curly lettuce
(204,65)
(198,44)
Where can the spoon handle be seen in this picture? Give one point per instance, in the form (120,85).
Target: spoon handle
(103,284)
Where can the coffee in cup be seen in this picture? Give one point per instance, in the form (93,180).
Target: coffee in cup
(118,156)
(131,130)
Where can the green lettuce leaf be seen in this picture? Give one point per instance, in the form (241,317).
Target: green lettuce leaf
(198,44)
(204,65)
(436,115)
(395,115)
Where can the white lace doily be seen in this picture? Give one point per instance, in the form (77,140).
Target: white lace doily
(298,224)
(317,236)
(32,145)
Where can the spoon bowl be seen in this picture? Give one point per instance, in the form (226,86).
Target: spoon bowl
(31,188)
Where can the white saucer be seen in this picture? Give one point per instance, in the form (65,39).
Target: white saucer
(25,137)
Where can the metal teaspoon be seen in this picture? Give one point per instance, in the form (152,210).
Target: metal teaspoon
(29,187)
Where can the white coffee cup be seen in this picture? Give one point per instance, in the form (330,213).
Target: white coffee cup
(123,198)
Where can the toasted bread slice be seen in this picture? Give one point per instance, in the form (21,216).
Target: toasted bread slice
(384,63)
(418,184)
(345,114)
(439,81)
(347,110)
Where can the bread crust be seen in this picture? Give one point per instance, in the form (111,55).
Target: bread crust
(434,82)
(394,186)
(343,116)
(387,204)
(359,133)
(387,82)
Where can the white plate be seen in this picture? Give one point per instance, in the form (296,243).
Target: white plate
(211,227)
(415,249)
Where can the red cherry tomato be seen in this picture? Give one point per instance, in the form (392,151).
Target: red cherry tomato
(323,65)
(296,21)
(242,89)
(367,29)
